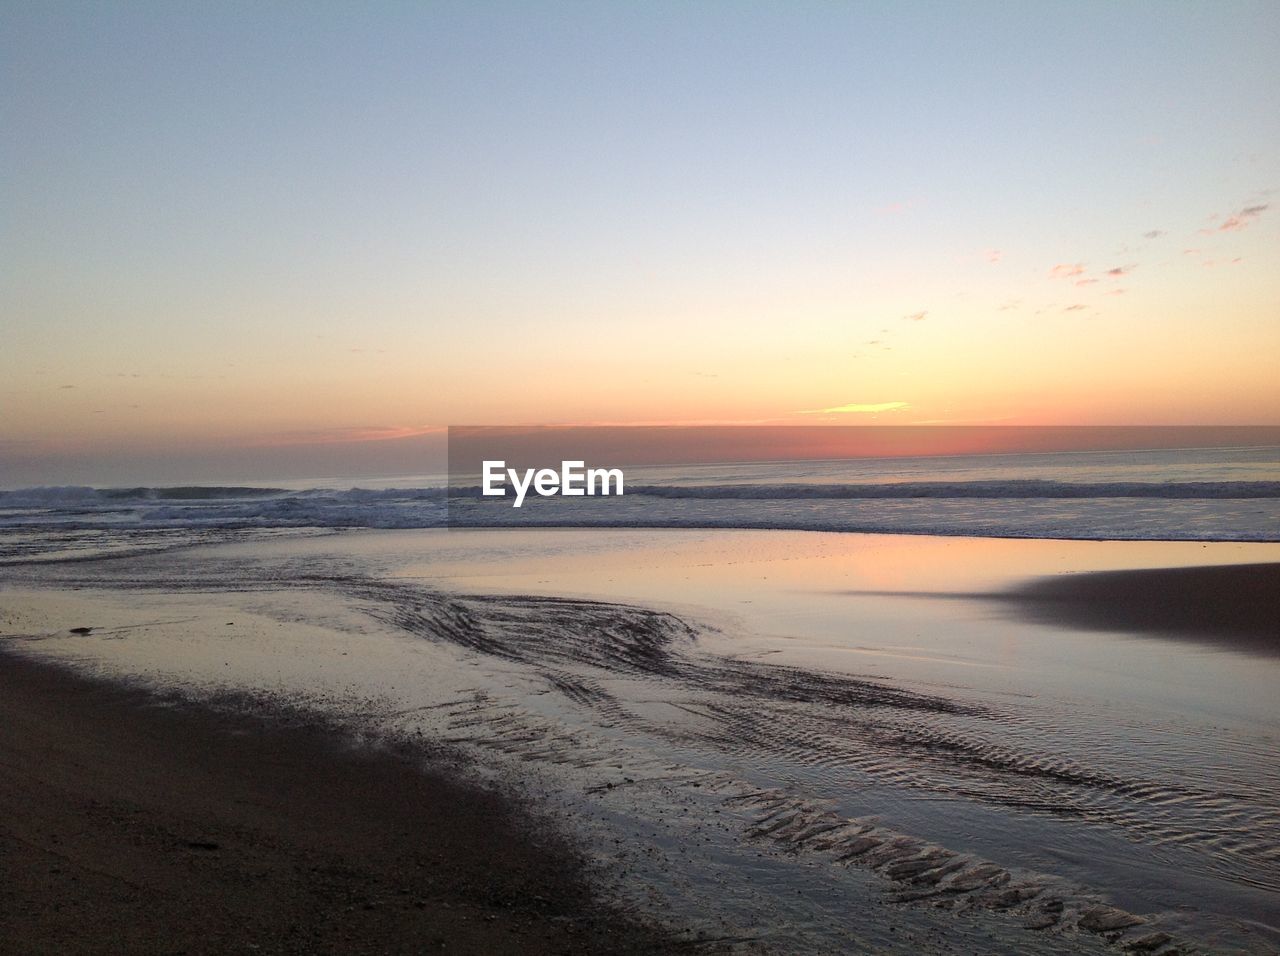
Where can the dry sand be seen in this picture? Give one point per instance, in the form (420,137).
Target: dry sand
(1237,605)
(127,825)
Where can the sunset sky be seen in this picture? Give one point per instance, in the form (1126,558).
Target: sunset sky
(276,240)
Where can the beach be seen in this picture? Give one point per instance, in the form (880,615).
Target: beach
(141,823)
(781,741)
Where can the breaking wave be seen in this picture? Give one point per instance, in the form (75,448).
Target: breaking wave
(1142,510)
(79,507)
(1029,488)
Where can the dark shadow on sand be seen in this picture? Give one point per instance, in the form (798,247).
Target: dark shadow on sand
(1235,605)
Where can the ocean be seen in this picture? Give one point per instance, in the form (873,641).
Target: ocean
(1210,494)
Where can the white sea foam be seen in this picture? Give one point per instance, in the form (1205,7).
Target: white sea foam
(1217,494)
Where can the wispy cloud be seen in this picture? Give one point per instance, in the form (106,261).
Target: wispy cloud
(898,207)
(1064,270)
(1241,220)
(1120,270)
(992,255)
(1153,234)
(1075,308)
(657,422)
(856,409)
(964,421)
(357,434)
(916,316)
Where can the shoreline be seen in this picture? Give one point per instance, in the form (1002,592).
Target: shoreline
(131,822)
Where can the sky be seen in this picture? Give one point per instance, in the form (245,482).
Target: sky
(241,240)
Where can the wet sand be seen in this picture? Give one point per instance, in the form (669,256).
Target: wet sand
(1235,605)
(743,744)
(129,824)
